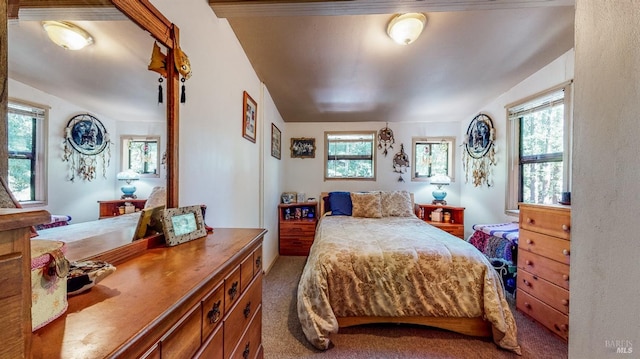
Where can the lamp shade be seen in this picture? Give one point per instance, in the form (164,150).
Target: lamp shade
(405,28)
(440,180)
(128,176)
(67,35)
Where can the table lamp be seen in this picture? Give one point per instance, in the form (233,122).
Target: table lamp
(439,194)
(128,189)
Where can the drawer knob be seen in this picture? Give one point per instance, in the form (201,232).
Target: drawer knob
(214,313)
(529,241)
(259,262)
(527,305)
(245,352)
(527,262)
(247,310)
(526,282)
(565,277)
(233,291)
(566,228)
(565,252)
(530,221)
(565,302)
(561,327)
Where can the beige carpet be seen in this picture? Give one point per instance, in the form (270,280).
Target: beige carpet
(283,338)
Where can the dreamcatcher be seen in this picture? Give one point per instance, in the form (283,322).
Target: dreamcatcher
(480,152)
(385,139)
(400,163)
(86,145)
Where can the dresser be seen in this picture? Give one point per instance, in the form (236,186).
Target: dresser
(455,224)
(543,265)
(199,299)
(297,227)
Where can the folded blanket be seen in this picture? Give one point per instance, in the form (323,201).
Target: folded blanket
(505,230)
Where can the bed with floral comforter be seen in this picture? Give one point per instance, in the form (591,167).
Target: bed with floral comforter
(397,267)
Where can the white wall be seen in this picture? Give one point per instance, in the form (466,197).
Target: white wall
(307,174)
(605,316)
(487,204)
(217,166)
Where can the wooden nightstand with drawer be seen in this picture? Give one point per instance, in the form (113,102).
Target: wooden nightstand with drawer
(297,227)
(455,224)
(543,265)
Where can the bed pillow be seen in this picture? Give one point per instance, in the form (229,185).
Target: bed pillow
(366,204)
(396,204)
(340,203)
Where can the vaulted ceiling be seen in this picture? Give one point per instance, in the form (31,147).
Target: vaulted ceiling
(323,60)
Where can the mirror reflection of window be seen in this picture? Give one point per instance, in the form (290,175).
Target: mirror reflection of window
(432,156)
(142,155)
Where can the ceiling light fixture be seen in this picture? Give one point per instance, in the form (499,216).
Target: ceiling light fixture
(405,28)
(67,35)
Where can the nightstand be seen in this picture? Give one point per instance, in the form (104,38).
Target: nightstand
(455,225)
(297,227)
(110,208)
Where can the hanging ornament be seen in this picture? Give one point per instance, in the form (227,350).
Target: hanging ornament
(183,96)
(385,139)
(480,151)
(160,90)
(86,139)
(400,163)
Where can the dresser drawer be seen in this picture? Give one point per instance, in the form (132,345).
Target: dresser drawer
(544,245)
(553,221)
(298,228)
(549,293)
(295,246)
(257,260)
(250,346)
(183,340)
(232,289)
(240,316)
(246,271)
(547,316)
(212,346)
(555,272)
(212,310)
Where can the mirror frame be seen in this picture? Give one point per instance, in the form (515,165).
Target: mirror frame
(150,19)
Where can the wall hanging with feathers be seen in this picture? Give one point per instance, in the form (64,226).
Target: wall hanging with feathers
(480,151)
(385,139)
(86,146)
(400,163)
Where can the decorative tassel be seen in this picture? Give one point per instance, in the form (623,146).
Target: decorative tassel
(160,90)
(183,97)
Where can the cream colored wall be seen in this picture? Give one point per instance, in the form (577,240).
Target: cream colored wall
(234,177)
(606,193)
(307,175)
(487,204)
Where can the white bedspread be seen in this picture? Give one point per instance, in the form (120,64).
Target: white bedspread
(397,266)
(78,231)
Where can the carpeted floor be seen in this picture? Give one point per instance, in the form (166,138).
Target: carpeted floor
(282,335)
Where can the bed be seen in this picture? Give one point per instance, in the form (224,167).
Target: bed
(388,266)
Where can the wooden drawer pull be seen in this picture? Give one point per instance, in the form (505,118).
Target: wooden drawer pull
(561,328)
(214,313)
(565,277)
(530,221)
(245,353)
(529,241)
(527,305)
(526,282)
(564,302)
(528,262)
(233,291)
(566,228)
(247,310)
(565,252)
(259,262)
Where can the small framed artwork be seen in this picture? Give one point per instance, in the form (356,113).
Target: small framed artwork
(183,224)
(276,144)
(250,118)
(289,197)
(303,147)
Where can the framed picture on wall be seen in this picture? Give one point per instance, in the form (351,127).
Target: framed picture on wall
(276,141)
(250,118)
(303,147)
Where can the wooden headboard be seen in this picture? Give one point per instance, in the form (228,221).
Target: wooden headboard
(324,202)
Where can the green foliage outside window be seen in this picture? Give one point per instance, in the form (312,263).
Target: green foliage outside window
(21,146)
(350,156)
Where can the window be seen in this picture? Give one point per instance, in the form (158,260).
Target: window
(141,154)
(350,155)
(26,144)
(539,148)
(432,156)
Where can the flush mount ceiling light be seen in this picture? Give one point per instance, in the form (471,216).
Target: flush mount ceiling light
(405,28)
(67,35)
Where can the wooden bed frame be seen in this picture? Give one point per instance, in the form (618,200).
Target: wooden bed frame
(477,327)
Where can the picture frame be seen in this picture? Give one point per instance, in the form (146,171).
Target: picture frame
(276,141)
(183,224)
(289,197)
(150,221)
(249,117)
(303,147)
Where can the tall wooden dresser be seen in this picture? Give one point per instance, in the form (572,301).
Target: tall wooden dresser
(543,265)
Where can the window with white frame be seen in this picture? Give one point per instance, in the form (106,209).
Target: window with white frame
(349,155)
(26,137)
(539,130)
(432,156)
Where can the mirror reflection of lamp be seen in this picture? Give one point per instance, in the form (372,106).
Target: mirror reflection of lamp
(128,190)
(439,194)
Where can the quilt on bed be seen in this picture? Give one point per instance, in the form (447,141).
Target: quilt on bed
(397,266)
